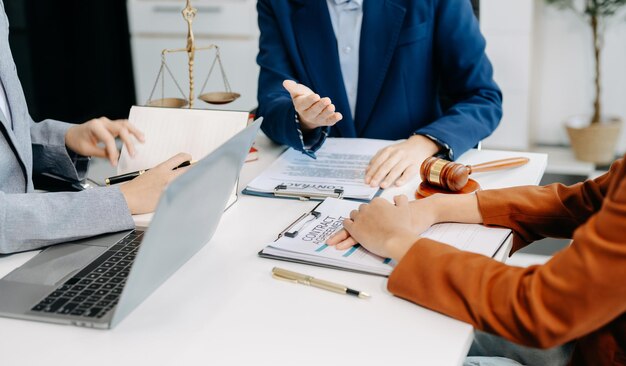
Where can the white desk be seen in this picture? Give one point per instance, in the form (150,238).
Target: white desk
(224,308)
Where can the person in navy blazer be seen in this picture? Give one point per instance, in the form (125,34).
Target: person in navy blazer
(423,76)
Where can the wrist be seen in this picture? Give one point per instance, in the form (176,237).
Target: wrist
(461,208)
(68,137)
(437,207)
(399,244)
(427,211)
(128,197)
(303,124)
(429,146)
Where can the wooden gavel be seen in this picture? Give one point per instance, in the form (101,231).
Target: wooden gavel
(454,176)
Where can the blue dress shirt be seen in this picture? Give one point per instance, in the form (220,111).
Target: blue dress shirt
(347,18)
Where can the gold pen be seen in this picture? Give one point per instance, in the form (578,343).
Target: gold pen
(294,277)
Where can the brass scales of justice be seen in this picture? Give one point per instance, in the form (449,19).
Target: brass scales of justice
(219,97)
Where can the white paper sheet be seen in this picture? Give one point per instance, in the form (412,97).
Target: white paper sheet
(309,245)
(340,164)
(169,131)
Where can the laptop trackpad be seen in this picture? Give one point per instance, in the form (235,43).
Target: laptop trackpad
(54,264)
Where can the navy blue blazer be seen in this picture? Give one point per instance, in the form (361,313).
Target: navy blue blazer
(422,70)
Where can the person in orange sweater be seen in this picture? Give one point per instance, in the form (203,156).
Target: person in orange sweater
(577,297)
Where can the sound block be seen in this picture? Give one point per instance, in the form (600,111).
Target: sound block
(424,190)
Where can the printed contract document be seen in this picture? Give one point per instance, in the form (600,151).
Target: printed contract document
(305,240)
(340,166)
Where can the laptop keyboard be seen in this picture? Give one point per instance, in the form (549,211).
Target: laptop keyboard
(96,289)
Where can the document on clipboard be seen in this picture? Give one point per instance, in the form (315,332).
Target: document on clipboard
(304,240)
(337,172)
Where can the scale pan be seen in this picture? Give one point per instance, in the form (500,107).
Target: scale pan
(219,97)
(168,102)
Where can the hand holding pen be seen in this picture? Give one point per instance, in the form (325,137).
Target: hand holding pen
(142,193)
(132,175)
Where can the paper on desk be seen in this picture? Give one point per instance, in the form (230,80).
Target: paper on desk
(309,245)
(469,237)
(340,164)
(169,131)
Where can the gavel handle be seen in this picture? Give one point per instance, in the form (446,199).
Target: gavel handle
(497,165)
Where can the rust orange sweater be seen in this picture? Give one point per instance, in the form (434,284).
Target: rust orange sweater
(579,295)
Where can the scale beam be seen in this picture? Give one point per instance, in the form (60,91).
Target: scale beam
(189,13)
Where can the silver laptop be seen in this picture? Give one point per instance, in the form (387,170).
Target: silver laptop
(96,282)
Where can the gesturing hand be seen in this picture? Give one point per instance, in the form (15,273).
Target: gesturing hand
(399,162)
(86,139)
(142,193)
(313,111)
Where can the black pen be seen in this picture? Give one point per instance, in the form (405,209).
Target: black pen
(130,176)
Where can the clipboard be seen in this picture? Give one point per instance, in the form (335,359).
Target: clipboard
(316,264)
(298,226)
(303,241)
(339,165)
(282,191)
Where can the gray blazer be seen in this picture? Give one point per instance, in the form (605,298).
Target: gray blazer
(31,220)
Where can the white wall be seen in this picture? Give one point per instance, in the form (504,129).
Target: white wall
(508,28)
(158,24)
(562,81)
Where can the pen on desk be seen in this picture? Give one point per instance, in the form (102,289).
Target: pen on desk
(130,176)
(294,277)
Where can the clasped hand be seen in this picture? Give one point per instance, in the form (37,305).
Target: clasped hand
(400,162)
(383,228)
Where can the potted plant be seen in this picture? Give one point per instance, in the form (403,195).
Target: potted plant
(594,139)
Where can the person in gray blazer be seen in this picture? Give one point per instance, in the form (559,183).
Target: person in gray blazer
(30,220)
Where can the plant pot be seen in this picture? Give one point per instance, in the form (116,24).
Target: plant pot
(596,142)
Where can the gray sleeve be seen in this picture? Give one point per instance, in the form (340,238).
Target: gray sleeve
(50,155)
(33,220)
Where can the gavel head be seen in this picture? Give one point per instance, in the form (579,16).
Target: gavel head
(444,174)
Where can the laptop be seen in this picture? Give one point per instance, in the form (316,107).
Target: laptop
(96,282)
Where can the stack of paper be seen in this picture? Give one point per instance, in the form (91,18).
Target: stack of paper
(308,246)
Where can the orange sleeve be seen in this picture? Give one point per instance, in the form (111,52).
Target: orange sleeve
(550,211)
(579,290)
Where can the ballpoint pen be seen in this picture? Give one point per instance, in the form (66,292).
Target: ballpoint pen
(294,277)
(132,175)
